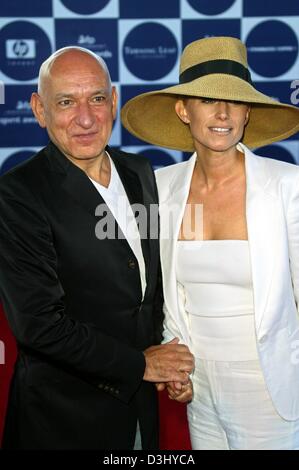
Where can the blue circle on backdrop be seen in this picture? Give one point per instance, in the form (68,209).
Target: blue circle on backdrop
(23,47)
(150,51)
(277,152)
(158,158)
(272,48)
(85,7)
(15,159)
(211,7)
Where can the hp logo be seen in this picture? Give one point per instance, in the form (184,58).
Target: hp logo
(20,49)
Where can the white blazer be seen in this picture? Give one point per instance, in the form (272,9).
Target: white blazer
(272,214)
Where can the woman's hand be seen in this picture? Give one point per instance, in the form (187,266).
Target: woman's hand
(183,393)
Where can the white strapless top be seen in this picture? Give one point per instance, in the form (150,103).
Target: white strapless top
(217,282)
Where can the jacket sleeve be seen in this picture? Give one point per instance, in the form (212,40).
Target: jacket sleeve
(170,328)
(293,237)
(33,300)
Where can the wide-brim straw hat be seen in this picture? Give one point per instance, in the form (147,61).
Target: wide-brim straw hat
(210,68)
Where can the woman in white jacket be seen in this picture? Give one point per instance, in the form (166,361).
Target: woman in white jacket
(229,247)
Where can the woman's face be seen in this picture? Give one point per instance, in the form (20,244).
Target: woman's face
(214,125)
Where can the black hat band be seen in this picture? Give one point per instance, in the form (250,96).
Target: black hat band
(229,67)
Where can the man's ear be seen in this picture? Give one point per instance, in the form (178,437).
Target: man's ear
(38,109)
(181,111)
(114,97)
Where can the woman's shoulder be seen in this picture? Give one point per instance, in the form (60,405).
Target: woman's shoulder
(280,168)
(168,172)
(272,166)
(173,177)
(171,169)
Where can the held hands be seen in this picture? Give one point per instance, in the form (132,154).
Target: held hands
(177,391)
(170,363)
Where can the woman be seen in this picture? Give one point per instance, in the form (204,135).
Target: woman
(229,247)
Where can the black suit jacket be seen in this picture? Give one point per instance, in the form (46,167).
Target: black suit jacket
(74,304)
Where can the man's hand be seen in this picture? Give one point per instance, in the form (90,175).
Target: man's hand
(170,362)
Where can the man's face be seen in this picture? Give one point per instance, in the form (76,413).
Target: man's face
(77,106)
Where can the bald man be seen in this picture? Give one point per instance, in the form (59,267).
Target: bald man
(78,294)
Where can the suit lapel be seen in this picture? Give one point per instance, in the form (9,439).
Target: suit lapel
(74,181)
(262,219)
(79,188)
(171,210)
(135,192)
(129,179)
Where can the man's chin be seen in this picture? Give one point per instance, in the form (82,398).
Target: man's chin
(86,157)
(82,153)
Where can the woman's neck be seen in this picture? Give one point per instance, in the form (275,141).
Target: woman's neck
(214,169)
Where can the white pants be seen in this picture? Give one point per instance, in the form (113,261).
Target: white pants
(232,409)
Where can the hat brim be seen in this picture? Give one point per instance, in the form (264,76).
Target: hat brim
(151,116)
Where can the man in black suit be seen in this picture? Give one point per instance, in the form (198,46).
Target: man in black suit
(80,300)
